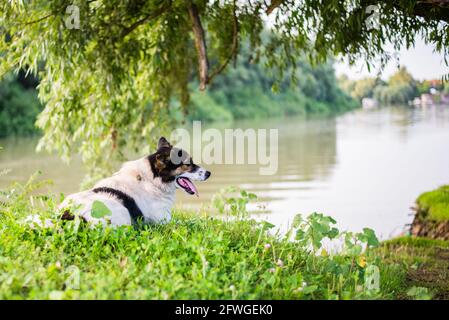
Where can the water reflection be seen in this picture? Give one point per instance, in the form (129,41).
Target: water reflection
(306,156)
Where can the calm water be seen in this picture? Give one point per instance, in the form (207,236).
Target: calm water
(364,168)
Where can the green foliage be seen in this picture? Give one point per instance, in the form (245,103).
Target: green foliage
(399,89)
(359,89)
(112,82)
(204,107)
(419,293)
(229,205)
(99,210)
(415,267)
(312,231)
(243,92)
(19,108)
(417,242)
(435,203)
(191,257)
(424,87)
(246,91)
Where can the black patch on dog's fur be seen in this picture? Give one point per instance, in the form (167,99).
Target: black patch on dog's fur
(128,202)
(67,215)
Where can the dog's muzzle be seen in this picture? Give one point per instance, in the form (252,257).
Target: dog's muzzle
(184,181)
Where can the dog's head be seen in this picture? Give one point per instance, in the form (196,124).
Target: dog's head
(175,165)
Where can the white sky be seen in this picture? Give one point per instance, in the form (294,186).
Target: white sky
(421,61)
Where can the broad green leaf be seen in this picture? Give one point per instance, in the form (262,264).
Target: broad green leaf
(371,238)
(310,289)
(99,210)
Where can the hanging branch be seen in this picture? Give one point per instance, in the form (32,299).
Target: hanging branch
(153,15)
(200,45)
(234,46)
(200,42)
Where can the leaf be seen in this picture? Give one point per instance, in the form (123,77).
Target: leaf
(333,233)
(310,289)
(99,210)
(316,242)
(419,293)
(267,225)
(355,249)
(332,220)
(300,234)
(370,236)
(252,196)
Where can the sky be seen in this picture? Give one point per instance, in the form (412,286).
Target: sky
(421,61)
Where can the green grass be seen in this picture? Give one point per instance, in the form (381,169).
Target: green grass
(418,263)
(195,256)
(435,203)
(417,242)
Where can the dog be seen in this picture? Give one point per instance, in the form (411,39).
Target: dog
(142,190)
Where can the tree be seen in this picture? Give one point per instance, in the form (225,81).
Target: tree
(402,77)
(110,81)
(401,88)
(19,107)
(364,88)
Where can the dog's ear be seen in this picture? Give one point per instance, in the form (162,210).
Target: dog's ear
(163,143)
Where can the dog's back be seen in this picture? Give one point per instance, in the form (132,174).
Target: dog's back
(130,194)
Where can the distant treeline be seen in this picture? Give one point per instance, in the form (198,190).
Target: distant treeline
(400,88)
(244,91)
(249,91)
(19,105)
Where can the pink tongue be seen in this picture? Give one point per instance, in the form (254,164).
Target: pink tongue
(190,185)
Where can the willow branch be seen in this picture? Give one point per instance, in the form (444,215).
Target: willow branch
(233,47)
(200,45)
(153,15)
(40,19)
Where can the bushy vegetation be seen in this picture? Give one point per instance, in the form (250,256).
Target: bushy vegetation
(248,91)
(19,107)
(435,203)
(243,92)
(425,262)
(193,256)
(400,88)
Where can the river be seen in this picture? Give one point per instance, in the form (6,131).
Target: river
(364,168)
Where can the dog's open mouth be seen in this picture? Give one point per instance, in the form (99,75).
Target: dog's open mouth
(187,185)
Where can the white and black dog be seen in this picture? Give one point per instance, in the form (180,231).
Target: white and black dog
(142,190)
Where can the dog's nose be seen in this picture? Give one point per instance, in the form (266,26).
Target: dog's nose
(207,175)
